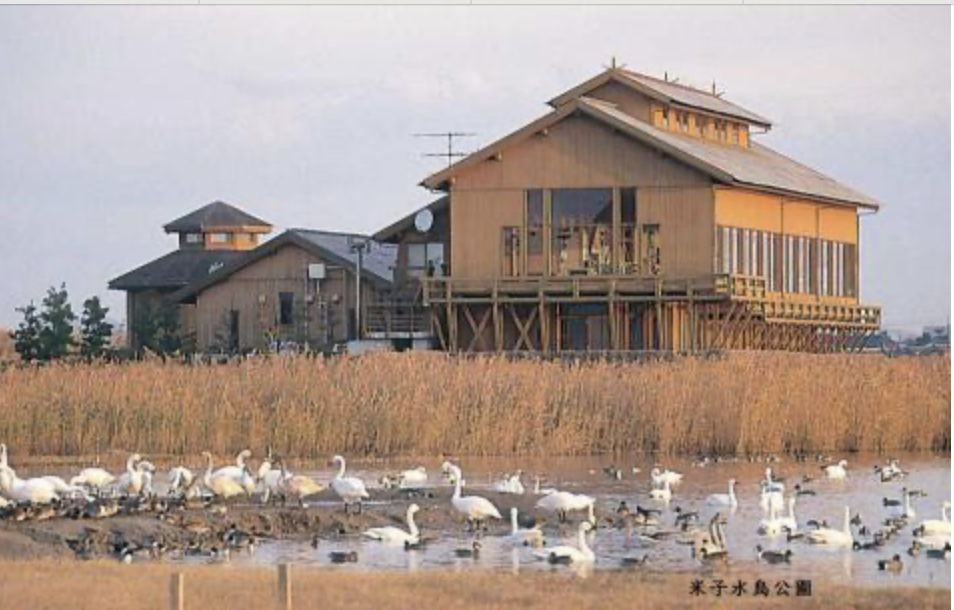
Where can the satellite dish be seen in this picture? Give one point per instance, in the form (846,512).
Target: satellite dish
(423,220)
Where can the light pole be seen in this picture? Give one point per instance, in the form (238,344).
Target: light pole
(358,246)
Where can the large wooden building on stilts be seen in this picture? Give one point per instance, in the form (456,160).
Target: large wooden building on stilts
(638,214)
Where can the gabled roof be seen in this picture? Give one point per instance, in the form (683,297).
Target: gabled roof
(175,270)
(216,215)
(386,234)
(664,91)
(378,263)
(756,167)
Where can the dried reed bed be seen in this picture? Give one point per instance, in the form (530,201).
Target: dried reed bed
(110,586)
(391,404)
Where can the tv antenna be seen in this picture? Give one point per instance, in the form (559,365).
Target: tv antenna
(450,154)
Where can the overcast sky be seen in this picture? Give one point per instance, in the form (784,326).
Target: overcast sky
(115,120)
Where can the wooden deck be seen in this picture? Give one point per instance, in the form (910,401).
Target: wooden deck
(633,314)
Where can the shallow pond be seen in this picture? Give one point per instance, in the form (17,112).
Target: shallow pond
(862,492)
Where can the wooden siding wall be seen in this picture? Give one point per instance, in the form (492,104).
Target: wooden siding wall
(630,102)
(283,271)
(579,153)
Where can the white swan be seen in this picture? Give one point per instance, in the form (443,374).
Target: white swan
(827,536)
(836,471)
(662,494)
(475,508)
(789,522)
(94,478)
(220,485)
(562,502)
(929,527)
(35,491)
(180,478)
(772,525)
(728,499)
(907,511)
(272,482)
(266,466)
(933,541)
(395,535)
(413,478)
(523,536)
(133,481)
(297,485)
(237,471)
(570,554)
(771,501)
(349,489)
(510,484)
(770,484)
(659,477)
(63,488)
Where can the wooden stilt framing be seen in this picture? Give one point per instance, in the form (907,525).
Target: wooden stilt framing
(639,314)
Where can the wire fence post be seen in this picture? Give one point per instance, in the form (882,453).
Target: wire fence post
(285,586)
(177,591)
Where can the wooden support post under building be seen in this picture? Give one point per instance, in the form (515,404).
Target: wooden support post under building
(693,342)
(498,322)
(177,591)
(659,315)
(285,586)
(544,327)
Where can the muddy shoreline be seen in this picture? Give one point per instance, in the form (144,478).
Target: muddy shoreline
(177,531)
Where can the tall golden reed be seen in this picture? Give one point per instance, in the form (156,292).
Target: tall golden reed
(428,404)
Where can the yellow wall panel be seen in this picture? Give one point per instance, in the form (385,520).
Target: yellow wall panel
(766,212)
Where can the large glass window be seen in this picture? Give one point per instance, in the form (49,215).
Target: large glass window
(628,247)
(535,232)
(582,230)
(425,260)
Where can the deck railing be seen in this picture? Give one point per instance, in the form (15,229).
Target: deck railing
(395,319)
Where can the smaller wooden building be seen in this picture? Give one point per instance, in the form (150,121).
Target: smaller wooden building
(300,289)
(209,238)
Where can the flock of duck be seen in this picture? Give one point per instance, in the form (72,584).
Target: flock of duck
(96,493)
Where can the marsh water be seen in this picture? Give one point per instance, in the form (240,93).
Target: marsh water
(863,492)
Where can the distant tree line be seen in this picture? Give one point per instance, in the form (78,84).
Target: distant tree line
(48,332)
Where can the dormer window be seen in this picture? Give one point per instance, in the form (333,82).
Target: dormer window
(193,238)
(684,122)
(700,125)
(219,238)
(665,118)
